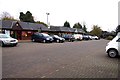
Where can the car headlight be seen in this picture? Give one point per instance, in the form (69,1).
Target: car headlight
(13,41)
(47,38)
(63,39)
(16,40)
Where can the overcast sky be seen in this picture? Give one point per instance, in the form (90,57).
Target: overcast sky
(103,13)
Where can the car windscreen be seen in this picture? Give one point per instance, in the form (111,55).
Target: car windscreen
(66,35)
(46,35)
(4,36)
(56,36)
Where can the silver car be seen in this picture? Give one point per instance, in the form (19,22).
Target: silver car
(7,40)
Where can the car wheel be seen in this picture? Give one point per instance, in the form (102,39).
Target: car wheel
(72,40)
(33,40)
(112,53)
(62,41)
(15,45)
(44,41)
(2,44)
(69,40)
(58,41)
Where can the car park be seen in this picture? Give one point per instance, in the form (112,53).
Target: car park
(6,40)
(48,56)
(57,39)
(113,47)
(69,37)
(41,37)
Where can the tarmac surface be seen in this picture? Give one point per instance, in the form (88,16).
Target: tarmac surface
(80,59)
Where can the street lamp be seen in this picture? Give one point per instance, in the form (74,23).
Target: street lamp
(47,19)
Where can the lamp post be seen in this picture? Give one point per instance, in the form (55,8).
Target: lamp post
(47,18)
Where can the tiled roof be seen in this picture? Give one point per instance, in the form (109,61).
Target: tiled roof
(72,30)
(7,24)
(65,29)
(55,28)
(61,29)
(33,26)
(78,30)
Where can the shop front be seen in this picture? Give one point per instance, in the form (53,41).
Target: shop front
(21,30)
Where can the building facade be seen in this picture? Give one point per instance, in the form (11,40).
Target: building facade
(21,30)
(24,30)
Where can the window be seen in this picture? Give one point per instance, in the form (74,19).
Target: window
(4,36)
(24,34)
(118,40)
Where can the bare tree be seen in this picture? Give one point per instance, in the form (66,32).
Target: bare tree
(6,16)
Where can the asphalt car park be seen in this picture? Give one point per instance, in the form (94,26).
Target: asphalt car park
(78,59)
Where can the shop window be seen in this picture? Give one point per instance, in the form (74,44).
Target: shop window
(29,33)
(24,34)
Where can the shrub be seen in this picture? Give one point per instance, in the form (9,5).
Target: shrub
(109,38)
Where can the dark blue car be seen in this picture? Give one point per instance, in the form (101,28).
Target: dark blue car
(41,37)
(69,37)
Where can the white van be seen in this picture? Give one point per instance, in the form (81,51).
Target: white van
(113,47)
(78,36)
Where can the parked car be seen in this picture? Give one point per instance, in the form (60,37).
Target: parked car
(113,47)
(95,38)
(6,40)
(58,39)
(86,37)
(78,36)
(90,37)
(69,37)
(41,37)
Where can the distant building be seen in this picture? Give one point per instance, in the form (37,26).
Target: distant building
(21,30)
(24,30)
(60,30)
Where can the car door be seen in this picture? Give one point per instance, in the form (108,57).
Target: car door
(118,41)
(40,37)
(37,37)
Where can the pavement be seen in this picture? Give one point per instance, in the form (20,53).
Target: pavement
(22,41)
(81,59)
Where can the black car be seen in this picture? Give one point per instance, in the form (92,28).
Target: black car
(58,39)
(41,37)
(69,37)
